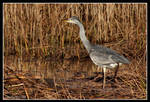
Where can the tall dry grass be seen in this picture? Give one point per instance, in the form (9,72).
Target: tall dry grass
(38,30)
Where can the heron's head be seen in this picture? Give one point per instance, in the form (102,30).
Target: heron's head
(73,19)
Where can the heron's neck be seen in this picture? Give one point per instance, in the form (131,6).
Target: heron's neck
(83,38)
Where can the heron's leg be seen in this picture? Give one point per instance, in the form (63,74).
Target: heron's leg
(104,70)
(116,71)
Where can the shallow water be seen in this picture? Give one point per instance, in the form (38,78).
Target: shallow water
(63,70)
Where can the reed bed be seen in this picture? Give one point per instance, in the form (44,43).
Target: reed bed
(38,31)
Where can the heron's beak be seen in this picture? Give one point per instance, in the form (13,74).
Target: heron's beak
(68,21)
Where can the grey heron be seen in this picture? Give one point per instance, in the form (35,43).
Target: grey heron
(102,56)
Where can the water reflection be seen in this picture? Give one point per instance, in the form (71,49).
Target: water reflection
(53,69)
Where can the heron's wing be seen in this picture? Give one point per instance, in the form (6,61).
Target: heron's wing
(101,58)
(107,55)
